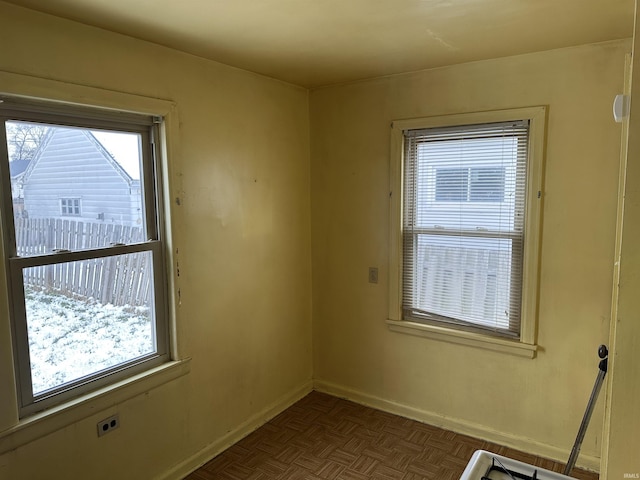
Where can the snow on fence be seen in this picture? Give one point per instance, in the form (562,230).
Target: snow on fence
(119,280)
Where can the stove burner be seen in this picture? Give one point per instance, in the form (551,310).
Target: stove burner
(485,465)
(505,473)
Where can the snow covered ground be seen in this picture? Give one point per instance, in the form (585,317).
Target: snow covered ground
(71,338)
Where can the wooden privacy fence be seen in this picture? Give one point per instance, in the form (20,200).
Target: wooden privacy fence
(120,280)
(470,283)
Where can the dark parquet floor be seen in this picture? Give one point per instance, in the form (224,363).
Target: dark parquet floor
(324,437)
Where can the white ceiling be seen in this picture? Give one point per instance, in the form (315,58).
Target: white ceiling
(320,42)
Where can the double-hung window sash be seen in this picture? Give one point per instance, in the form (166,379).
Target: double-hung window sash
(87,283)
(463,225)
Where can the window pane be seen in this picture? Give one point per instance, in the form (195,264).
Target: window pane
(464,278)
(69,207)
(452,184)
(466,184)
(487,184)
(61,172)
(463,224)
(88,316)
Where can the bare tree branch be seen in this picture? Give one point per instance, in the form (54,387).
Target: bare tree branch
(24,139)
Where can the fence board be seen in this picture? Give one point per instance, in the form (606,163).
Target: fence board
(119,280)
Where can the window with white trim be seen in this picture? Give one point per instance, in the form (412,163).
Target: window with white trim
(466,245)
(69,207)
(88,297)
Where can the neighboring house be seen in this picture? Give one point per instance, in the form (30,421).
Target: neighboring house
(17,169)
(73,176)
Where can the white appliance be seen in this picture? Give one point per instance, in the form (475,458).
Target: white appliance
(489,466)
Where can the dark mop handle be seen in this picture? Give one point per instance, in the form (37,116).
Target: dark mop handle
(602,353)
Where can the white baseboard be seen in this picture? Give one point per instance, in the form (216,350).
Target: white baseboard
(201,457)
(458,425)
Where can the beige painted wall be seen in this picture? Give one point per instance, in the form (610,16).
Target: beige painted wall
(242,240)
(621,452)
(535,404)
(242,173)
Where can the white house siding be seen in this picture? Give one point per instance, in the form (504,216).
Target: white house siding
(72,164)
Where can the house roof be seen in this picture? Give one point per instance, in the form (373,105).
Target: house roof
(80,135)
(17,167)
(321,42)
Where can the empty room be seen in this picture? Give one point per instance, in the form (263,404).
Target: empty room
(381,235)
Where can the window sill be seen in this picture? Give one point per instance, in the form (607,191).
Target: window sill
(56,418)
(510,347)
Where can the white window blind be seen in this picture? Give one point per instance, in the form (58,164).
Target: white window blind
(463,225)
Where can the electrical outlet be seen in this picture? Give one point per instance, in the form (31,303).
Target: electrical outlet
(108,424)
(373,274)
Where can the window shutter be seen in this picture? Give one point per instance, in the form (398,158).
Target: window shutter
(463,225)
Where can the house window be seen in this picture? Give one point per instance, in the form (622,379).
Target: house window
(465,248)
(470,184)
(88,305)
(69,207)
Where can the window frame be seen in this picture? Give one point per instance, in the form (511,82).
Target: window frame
(76,206)
(525,345)
(148,126)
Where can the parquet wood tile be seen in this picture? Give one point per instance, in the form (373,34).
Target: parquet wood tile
(322,437)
